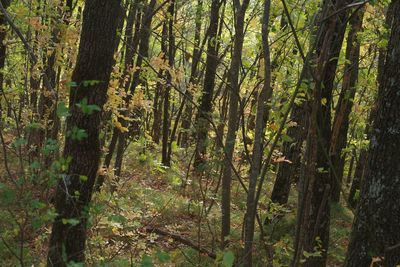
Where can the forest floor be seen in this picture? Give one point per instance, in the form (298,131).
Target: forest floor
(152,219)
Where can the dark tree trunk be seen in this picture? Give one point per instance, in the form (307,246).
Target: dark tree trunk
(234,90)
(3,47)
(166,155)
(376,228)
(74,190)
(157,107)
(288,172)
(357,179)
(260,122)
(316,184)
(345,104)
(351,167)
(205,108)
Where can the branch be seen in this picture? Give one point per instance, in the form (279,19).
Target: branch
(182,240)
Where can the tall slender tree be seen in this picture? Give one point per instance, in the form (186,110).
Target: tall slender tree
(3,47)
(166,156)
(341,120)
(262,110)
(234,93)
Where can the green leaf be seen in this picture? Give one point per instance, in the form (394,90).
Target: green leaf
(72,84)
(36,223)
(77,134)
(35,165)
(19,142)
(146,261)
(71,221)
(90,82)
(87,109)
(163,257)
(7,195)
(33,125)
(117,218)
(228,259)
(83,178)
(286,138)
(50,146)
(62,110)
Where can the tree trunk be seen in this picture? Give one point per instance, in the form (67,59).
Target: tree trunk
(74,190)
(315,190)
(260,122)
(345,103)
(233,118)
(205,108)
(376,228)
(166,156)
(3,47)
(288,172)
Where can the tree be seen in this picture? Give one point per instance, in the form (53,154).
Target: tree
(166,148)
(345,103)
(313,223)
(234,90)
(260,121)
(202,123)
(82,146)
(3,47)
(375,231)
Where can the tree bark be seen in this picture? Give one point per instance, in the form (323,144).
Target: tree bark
(205,107)
(166,156)
(345,103)
(3,47)
(315,190)
(260,122)
(74,190)
(233,118)
(375,230)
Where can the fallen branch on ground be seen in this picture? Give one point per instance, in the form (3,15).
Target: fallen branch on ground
(182,240)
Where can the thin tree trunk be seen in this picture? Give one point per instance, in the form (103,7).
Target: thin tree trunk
(233,118)
(260,122)
(3,47)
(345,103)
(166,155)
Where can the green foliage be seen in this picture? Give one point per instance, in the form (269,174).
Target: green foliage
(86,108)
(62,110)
(228,259)
(77,134)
